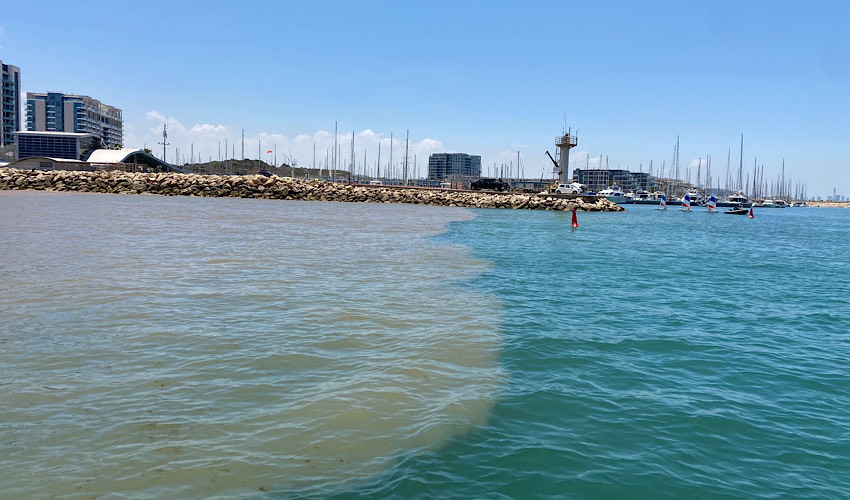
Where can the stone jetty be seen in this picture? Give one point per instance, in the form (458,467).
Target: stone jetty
(830,204)
(281,188)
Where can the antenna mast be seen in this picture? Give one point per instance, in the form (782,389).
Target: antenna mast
(164,142)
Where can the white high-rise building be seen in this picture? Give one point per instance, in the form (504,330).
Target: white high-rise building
(444,165)
(58,112)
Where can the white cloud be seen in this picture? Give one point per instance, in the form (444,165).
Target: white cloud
(154,115)
(206,128)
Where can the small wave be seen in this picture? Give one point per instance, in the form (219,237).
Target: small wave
(243,357)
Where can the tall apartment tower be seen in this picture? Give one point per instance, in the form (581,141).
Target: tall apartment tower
(10,102)
(443,165)
(58,112)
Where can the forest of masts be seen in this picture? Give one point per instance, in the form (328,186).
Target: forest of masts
(673,180)
(676,181)
(334,167)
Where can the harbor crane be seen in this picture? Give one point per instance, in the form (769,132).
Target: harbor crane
(562,187)
(558,171)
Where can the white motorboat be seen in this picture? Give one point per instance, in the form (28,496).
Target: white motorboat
(734,200)
(614,194)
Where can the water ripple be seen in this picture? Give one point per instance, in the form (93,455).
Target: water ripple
(221,348)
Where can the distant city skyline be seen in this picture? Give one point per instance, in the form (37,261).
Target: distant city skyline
(490,81)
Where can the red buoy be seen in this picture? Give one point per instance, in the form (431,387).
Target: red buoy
(751,213)
(575,219)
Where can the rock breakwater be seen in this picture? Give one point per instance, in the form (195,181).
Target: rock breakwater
(282,188)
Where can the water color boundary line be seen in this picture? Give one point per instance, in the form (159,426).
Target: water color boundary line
(281,188)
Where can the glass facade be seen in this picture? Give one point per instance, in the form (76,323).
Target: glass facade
(599,179)
(443,165)
(53,145)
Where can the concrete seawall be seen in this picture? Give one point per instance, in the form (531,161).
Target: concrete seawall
(282,188)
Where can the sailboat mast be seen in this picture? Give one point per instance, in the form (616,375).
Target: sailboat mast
(517,165)
(334,156)
(406,150)
(699,168)
(741,166)
(351,167)
(677,157)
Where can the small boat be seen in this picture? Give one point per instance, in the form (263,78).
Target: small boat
(643,197)
(780,204)
(712,205)
(739,210)
(695,198)
(614,194)
(663,204)
(735,200)
(686,203)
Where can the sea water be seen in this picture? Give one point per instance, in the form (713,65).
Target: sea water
(187,347)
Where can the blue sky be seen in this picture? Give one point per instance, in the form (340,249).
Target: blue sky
(488,78)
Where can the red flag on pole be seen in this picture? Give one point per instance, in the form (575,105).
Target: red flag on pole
(269,151)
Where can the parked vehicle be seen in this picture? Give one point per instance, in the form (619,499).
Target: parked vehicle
(491,184)
(573,188)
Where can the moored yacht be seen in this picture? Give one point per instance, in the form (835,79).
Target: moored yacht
(735,200)
(614,194)
(643,197)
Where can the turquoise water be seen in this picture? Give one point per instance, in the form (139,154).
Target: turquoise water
(184,348)
(659,355)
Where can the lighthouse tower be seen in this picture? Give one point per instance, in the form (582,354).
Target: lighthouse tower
(565,143)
